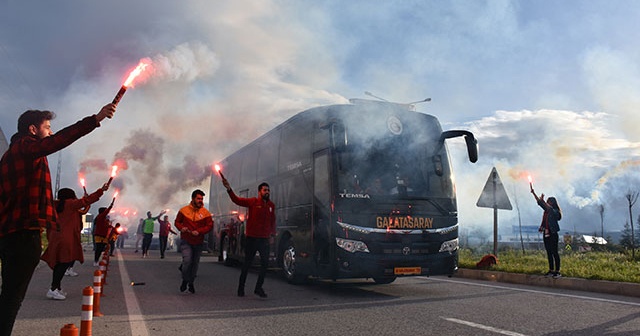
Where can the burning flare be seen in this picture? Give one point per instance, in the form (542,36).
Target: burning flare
(84,186)
(144,63)
(114,171)
(219,170)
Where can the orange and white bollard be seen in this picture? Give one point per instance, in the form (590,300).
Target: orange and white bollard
(69,330)
(103,268)
(97,292)
(86,319)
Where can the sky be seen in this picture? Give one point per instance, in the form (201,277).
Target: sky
(549,88)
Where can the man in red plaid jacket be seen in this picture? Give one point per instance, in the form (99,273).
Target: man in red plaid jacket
(26,200)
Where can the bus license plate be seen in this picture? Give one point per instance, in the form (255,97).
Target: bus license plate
(407,270)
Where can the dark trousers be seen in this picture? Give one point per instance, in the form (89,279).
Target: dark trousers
(58,274)
(190,260)
(146,242)
(163,245)
(551,245)
(99,249)
(19,255)
(252,246)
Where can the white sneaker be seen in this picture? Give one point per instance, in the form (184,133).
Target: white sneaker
(62,292)
(70,272)
(95,264)
(55,295)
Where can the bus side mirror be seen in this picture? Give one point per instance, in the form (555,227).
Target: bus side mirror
(472,147)
(472,143)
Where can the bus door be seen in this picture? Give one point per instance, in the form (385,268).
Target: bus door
(321,215)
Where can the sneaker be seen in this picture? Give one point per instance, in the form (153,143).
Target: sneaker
(70,272)
(557,275)
(62,292)
(183,286)
(260,292)
(192,289)
(548,274)
(95,263)
(55,295)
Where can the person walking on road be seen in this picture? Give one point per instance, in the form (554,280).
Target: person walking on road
(139,234)
(101,227)
(165,229)
(260,233)
(65,245)
(193,221)
(26,200)
(550,228)
(147,229)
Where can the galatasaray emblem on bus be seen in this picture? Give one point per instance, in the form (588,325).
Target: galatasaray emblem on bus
(395,125)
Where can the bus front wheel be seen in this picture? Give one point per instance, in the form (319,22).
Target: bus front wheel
(289,263)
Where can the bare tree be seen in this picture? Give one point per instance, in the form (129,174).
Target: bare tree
(632,197)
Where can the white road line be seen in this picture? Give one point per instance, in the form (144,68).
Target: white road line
(538,292)
(136,320)
(483,327)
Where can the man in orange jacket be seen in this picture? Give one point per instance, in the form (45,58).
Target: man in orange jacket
(193,221)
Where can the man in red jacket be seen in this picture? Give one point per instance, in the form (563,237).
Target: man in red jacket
(26,200)
(260,232)
(193,221)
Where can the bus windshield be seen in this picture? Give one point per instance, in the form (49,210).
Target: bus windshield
(393,167)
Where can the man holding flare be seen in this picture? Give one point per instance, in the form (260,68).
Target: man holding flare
(26,200)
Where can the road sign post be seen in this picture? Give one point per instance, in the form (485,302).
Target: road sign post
(494,196)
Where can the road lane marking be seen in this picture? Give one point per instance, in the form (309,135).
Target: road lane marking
(136,320)
(537,291)
(483,327)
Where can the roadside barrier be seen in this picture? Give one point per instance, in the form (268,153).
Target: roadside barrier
(69,330)
(103,268)
(86,319)
(97,292)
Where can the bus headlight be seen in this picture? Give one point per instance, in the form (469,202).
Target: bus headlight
(352,245)
(449,246)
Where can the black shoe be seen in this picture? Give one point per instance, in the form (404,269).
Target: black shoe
(136,251)
(260,292)
(191,288)
(240,292)
(183,286)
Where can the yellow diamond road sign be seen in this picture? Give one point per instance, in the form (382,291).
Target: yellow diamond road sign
(493,195)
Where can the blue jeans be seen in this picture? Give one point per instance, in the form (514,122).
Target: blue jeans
(19,254)
(190,260)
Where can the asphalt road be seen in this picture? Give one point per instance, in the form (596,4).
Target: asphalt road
(409,306)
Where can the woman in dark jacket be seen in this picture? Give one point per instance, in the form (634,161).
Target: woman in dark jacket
(549,227)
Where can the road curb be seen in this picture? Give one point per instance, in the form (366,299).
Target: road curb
(599,286)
